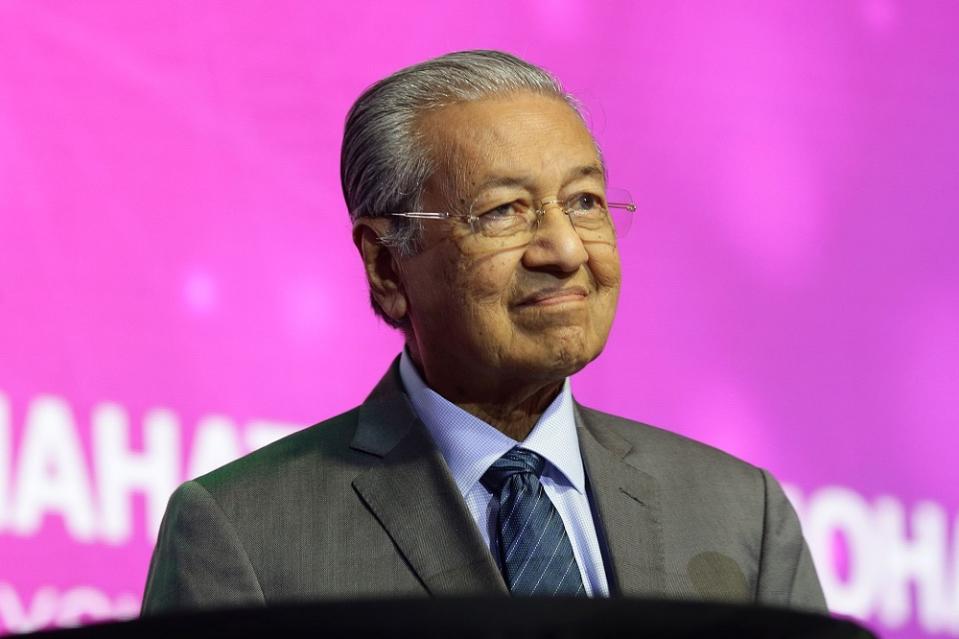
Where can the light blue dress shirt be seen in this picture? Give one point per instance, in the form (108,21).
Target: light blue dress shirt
(470,446)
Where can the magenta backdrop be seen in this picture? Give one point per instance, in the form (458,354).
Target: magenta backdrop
(177,278)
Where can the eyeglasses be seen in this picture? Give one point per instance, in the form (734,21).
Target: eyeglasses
(599,217)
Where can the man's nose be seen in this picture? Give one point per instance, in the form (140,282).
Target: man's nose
(556,243)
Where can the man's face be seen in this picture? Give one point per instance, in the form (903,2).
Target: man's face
(487,313)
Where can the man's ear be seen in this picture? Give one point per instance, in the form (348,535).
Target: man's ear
(382,272)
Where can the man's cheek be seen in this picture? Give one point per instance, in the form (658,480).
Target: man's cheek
(606,271)
(482,283)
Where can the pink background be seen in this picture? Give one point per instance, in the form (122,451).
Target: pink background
(172,235)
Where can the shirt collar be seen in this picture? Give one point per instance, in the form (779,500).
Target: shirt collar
(470,446)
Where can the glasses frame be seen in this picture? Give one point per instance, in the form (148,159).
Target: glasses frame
(471,218)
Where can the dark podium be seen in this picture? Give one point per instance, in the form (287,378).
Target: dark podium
(487,618)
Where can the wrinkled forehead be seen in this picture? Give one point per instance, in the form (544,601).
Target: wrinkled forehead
(534,139)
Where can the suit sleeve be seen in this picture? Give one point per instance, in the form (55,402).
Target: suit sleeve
(787,576)
(198,561)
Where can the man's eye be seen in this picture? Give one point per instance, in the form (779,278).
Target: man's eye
(585,202)
(510,209)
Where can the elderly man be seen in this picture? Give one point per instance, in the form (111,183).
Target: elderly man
(489,237)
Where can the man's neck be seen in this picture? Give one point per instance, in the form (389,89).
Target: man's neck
(513,412)
(517,416)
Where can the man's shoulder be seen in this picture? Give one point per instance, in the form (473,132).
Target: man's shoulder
(316,451)
(668,454)
(697,484)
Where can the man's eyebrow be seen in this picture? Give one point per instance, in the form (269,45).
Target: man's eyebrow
(587,170)
(526,181)
(503,181)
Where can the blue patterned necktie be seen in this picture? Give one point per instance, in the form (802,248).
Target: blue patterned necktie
(535,553)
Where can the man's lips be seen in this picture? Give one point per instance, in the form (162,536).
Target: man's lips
(550,296)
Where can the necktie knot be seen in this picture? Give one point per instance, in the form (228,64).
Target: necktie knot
(516,461)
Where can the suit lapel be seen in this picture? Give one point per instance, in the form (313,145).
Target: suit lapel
(411,493)
(627,500)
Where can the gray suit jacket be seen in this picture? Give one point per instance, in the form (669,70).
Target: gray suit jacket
(363,505)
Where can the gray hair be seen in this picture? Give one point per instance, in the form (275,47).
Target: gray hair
(384,161)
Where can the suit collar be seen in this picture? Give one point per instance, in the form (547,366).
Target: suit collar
(385,418)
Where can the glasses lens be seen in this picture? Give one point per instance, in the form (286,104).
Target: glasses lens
(622,209)
(506,220)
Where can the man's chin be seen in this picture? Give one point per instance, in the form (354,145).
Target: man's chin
(561,361)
